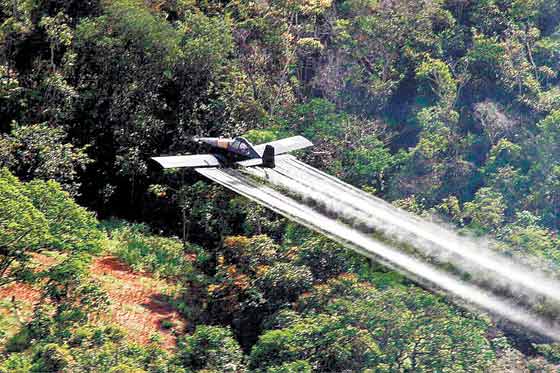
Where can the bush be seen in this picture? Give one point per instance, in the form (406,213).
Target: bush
(19,342)
(284,282)
(16,363)
(211,348)
(52,358)
(325,258)
(298,366)
(161,256)
(326,342)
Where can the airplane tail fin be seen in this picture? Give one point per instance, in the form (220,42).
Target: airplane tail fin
(268,157)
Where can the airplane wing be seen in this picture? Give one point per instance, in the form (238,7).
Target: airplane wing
(285,145)
(194,160)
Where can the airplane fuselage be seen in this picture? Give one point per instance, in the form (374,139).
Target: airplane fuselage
(230,150)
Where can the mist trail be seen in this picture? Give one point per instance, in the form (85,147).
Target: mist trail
(411,267)
(473,258)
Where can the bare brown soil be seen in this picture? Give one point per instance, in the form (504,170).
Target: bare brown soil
(137,302)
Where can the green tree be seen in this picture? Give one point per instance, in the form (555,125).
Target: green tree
(324,258)
(415,330)
(40,151)
(71,227)
(211,349)
(324,342)
(486,211)
(23,229)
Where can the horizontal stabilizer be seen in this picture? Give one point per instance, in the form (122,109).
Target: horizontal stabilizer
(285,145)
(194,160)
(251,162)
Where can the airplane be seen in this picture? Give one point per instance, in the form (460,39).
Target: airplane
(234,152)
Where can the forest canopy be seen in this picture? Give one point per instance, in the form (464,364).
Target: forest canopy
(447,108)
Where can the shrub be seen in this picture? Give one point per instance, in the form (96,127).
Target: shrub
(16,363)
(161,256)
(211,348)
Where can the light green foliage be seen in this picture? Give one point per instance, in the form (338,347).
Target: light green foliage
(451,209)
(206,41)
(298,366)
(23,229)
(324,342)
(530,238)
(16,363)
(78,298)
(59,34)
(399,319)
(40,215)
(262,136)
(71,227)
(551,351)
(99,348)
(485,56)
(371,160)
(545,173)
(486,211)
(211,349)
(351,147)
(436,74)
(143,251)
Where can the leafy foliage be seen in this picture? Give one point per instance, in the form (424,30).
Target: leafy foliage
(165,257)
(447,107)
(39,215)
(211,349)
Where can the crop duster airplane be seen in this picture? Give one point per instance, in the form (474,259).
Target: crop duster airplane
(235,152)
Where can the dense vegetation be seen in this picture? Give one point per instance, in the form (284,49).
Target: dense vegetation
(444,107)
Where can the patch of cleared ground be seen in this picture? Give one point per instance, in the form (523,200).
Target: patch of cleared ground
(137,301)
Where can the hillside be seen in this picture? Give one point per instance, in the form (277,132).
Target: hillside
(448,109)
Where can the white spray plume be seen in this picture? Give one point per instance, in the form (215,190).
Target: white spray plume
(471,257)
(365,245)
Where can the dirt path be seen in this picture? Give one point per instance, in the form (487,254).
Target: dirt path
(137,300)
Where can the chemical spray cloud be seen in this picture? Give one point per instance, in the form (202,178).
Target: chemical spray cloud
(352,238)
(439,244)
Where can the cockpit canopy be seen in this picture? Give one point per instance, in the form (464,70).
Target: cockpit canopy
(241,146)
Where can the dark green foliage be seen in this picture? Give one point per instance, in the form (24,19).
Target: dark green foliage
(39,151)
(324,258)
(211,349)
(52,358)
(324,342)
(283,282)
(447,107)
